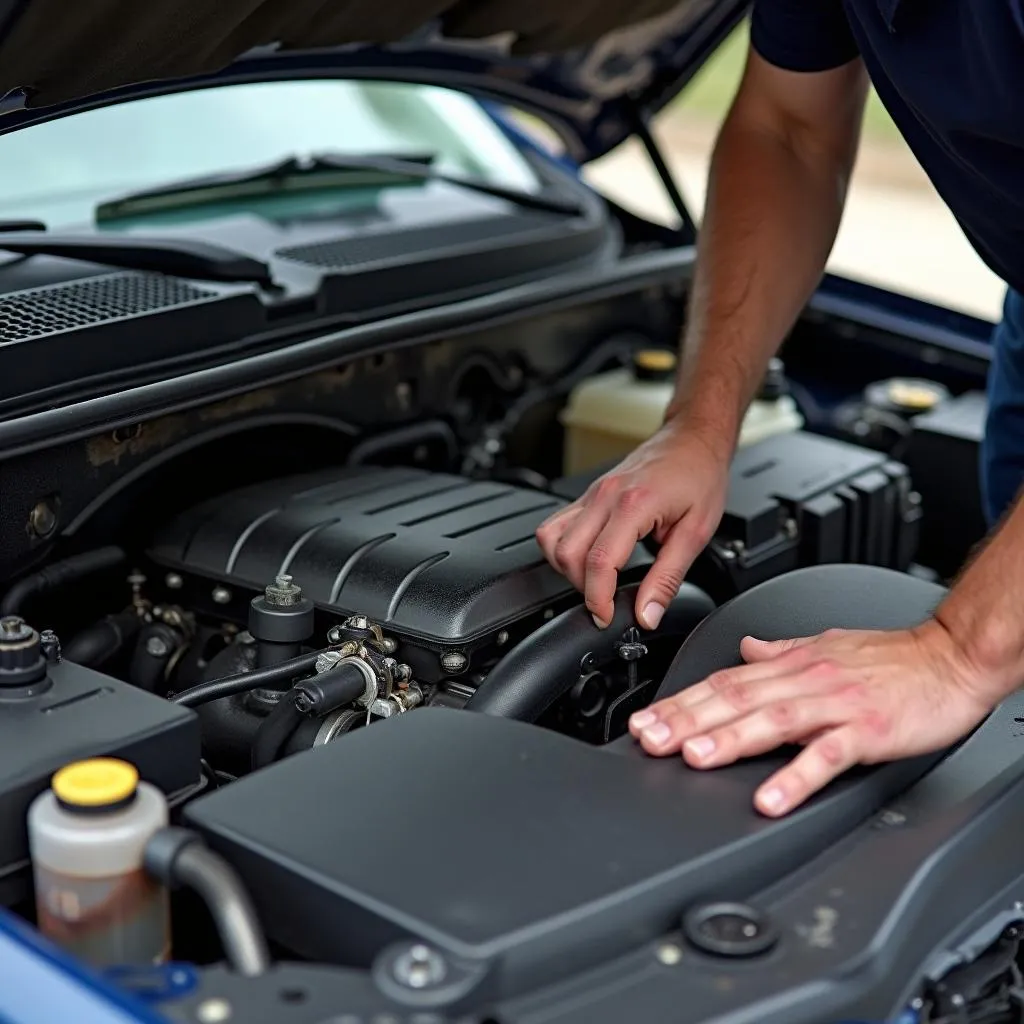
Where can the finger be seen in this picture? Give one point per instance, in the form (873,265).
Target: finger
(738,685)
(576,541)
(753,649)
(631,518)
(549,533)
(817,765)
(664,578)
(788,720)
(715,733)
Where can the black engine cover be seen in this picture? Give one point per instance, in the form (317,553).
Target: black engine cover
(438,559)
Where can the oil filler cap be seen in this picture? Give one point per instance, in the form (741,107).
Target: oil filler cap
(729,930)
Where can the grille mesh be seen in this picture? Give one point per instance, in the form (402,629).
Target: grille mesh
(55,309)
(337,254)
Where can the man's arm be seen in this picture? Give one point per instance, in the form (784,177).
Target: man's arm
(778,181)
(984,612)
(776,191)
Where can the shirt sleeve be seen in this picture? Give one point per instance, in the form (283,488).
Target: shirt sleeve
(802,35)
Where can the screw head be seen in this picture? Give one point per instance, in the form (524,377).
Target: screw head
(42,520)
(420,967)
(173,581)
(157,647)
(502,638)
(221,595)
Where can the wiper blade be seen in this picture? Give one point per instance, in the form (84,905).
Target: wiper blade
(180,257)
(276,175)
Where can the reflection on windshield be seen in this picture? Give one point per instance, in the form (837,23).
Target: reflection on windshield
(58,172)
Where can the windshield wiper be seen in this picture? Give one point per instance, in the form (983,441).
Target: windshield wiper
(181,257)
(270,178)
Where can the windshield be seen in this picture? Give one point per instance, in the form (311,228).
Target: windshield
(59,171)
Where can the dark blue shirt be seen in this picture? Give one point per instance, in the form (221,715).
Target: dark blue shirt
(951,74)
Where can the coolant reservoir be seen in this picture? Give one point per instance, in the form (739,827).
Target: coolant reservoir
(87,836)
(609,414)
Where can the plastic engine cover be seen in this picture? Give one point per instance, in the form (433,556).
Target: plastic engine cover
(440,558)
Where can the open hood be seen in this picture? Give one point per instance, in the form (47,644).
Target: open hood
(589,67)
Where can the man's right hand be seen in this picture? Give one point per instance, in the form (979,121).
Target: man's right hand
(673,486)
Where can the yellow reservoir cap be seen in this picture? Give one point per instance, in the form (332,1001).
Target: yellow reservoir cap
(912,395)
(97,783)
(658,360)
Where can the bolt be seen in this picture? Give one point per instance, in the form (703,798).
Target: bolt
(454,662)
(549,613)
(358,622)
(420,967)
(221,595)
(173,581)
(157,647)
(213,1011)
(13,628)
(791,528)
(390,644)
(669,954)
(403,394)
(42,520)
(283,593)
(503,638)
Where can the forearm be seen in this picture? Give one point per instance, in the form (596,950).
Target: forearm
(984,612)
(775,199)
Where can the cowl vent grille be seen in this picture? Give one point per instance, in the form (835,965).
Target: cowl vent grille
(38,312)
(346,253)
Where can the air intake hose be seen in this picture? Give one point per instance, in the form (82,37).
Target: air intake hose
(530,678)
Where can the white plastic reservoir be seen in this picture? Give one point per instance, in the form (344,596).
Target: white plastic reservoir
(610,414)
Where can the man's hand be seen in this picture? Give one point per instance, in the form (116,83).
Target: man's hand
(849,697)
(673,486)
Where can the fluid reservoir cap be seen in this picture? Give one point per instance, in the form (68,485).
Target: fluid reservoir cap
(99,784)
(906,396)
(654,364)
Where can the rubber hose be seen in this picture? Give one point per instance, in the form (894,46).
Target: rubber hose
(178,857)
(545,666)
(275,731)
(228,686)
(401,437)
(58,574)
(99,642)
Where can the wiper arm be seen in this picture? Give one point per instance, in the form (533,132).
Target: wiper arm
(270,177)
(181,257)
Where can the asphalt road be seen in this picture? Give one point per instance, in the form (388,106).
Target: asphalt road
(896,232)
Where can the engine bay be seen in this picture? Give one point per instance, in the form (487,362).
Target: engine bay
(315,618)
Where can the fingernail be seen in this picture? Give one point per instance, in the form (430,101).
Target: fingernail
(772,799)
(642,719)
(652,615)
(657,734)
(598,622)
(700,747)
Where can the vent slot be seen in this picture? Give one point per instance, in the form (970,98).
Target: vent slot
(38,312)
(346,253)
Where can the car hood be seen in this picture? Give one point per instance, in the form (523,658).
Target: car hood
(589,67)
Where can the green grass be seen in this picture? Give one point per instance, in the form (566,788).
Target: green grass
(710,93)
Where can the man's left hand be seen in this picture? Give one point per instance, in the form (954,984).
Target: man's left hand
(849,697)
